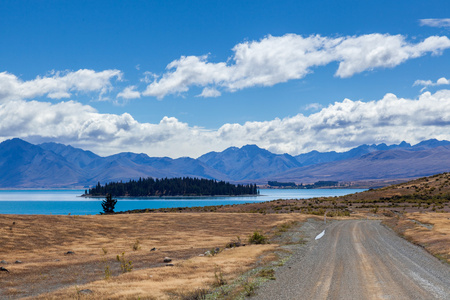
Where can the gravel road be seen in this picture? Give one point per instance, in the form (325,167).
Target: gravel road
(358,259)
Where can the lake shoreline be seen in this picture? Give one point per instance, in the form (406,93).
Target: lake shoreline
(65,202)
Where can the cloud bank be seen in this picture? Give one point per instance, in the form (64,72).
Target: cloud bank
(274,60)
(57,85)
(340,126)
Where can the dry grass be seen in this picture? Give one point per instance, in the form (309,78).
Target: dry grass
(41,243)
(430,230)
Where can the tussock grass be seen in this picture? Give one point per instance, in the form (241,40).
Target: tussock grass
(47,272)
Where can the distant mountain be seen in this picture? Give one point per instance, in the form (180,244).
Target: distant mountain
(23,165)
(376,165)
(52,165)
(315,157)
(78,157)
(124,166)
(249,162)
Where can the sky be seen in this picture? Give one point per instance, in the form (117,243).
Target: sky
(183,78)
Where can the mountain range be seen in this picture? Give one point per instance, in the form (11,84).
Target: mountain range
(53,165)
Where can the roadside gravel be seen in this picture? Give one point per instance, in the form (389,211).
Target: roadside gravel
(357,259)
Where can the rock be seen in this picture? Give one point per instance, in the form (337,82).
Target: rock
(18,262)
(4,270)
(4,262)
(85,291)
(169,265)
(167,259)
(153,249)
(69,253)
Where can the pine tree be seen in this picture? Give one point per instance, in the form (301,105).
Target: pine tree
(108,204)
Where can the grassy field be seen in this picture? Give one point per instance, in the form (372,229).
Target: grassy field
(48,271)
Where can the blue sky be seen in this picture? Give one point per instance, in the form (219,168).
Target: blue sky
(94,74)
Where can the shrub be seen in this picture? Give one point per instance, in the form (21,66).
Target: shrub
(257,238)
(234,243)
(249,288)
(136,245)
(124,265)
(198,294)
(218,275)
(267,273)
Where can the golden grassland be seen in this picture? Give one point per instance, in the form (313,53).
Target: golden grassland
(430,230)
(48,272)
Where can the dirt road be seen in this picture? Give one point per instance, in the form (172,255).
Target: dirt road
(359,259)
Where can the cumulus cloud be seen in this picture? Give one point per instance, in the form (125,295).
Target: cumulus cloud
(57,85)
(339,126)
(435,22)
(129,93)
(273,60)
(427,83)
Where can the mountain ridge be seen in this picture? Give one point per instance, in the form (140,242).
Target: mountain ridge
(53,165)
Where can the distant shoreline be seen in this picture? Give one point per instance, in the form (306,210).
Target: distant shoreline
(178,196)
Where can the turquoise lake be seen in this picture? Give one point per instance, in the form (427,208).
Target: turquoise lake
(63,202)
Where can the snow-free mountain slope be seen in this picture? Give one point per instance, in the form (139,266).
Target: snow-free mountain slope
(51,165)
(249,162)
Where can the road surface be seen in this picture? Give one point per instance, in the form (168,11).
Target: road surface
(360,259)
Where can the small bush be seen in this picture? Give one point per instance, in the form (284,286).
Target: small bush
(107,272)
(198,294)
(257,238)
(249,288)
(234,243)
(124,265)
(136,245)
(218,275)
(267,273)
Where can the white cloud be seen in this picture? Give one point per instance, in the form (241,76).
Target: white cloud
(57,86)
(427,83)
(129,93)
(209,93)
(339,127)
(313,106)
(274,60)
(443,81)
(435,22)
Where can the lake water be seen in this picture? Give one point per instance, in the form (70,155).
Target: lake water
(62,202)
